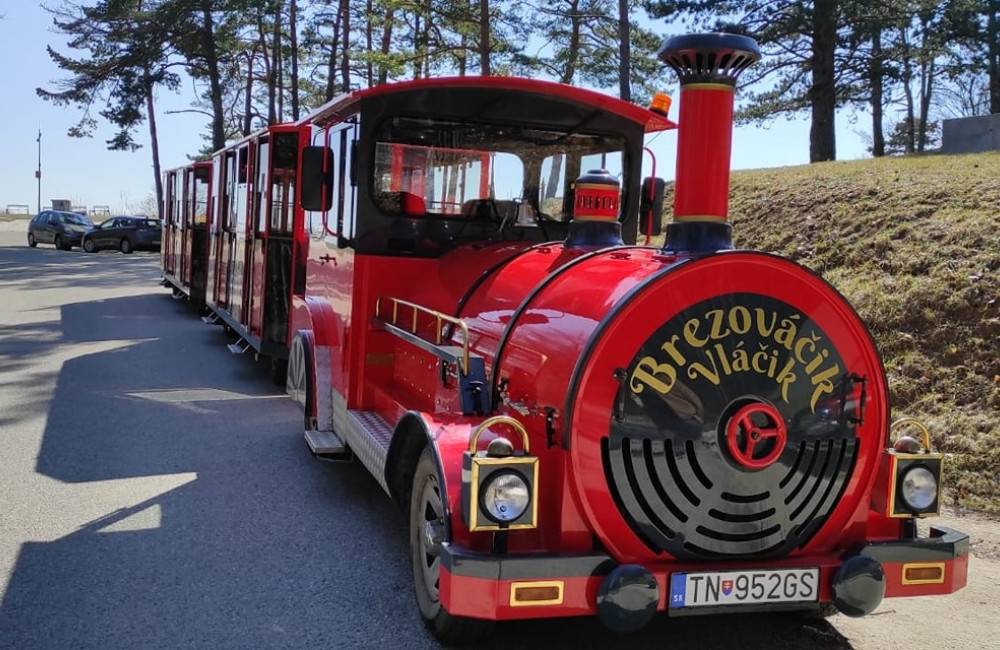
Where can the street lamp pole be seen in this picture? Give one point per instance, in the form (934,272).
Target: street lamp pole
(38,174)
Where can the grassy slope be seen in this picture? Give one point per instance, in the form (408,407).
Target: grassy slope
(914,244)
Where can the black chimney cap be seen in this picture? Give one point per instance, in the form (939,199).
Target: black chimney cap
(709,58)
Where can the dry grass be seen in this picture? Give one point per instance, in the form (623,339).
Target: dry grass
(914,244)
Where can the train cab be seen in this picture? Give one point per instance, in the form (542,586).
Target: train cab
(186,217)
(256,253)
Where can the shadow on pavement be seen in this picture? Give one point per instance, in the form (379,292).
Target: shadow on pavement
(265,547)
(45,267)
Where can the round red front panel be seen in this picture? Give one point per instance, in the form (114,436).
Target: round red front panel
(731,407)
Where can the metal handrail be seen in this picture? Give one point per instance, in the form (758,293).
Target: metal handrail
(440,318)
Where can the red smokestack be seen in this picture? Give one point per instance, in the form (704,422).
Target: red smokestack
(708,66)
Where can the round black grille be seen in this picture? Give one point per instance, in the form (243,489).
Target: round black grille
(667,463)
(676,495)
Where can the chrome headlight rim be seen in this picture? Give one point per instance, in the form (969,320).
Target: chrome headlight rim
(491,481)
(908,492)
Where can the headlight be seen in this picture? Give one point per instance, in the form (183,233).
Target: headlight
(506,497)
(919,488)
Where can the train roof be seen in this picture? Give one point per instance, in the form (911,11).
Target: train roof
(347,103)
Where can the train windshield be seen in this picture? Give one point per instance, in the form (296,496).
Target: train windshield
(451,169)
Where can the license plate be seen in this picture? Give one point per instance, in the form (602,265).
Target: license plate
(705,589)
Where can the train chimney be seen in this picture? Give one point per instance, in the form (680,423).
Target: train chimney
(596,203)
(708,66)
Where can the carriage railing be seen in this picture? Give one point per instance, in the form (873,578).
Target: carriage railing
(412,328)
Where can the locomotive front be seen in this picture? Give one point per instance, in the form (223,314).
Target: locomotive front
(712,425)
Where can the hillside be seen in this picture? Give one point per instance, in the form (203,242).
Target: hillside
(914,244)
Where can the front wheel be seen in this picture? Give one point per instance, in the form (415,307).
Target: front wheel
(31,240)
(58,243)
(427,526)
(89,246)
(125,246)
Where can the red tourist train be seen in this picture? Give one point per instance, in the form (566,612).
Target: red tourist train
(576,424)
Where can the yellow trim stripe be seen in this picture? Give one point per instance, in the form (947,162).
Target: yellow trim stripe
(708,86)
(700,217)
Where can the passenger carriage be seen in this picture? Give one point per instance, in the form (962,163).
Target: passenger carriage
(185,236)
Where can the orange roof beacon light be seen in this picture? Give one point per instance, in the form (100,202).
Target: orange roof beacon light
(708,66)
(660,104)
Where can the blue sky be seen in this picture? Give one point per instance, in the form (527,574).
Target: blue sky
(84,171)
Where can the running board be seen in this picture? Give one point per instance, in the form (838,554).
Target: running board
(239,347)
(326,444)
(210,319)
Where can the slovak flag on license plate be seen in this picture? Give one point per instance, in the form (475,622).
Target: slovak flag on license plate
(727,587)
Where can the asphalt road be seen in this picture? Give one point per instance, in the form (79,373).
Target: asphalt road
(155,492)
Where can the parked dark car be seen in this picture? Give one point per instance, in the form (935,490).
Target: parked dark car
(62,229)
(124,233)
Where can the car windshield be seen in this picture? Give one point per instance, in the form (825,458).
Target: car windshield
(438,168)
(76,219)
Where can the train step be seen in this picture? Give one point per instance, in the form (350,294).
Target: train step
(210,319)
(239,347)
(325,443)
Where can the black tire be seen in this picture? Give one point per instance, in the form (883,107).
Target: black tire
(31,240)
(125,246)
(300,376)
(426,515)
(89,246)
(58,243)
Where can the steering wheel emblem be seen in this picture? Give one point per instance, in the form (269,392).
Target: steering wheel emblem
(756,435)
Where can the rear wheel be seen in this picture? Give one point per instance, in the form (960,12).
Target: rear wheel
(300,378)
(427,525)
(31,240)
(125,246)
(89,246)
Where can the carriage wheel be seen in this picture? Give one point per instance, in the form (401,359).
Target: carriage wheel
(427,525)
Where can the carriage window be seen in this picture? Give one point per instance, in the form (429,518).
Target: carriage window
(286,153)
(436,168)
(260,206)
(201,195)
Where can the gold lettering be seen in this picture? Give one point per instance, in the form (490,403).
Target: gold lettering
(786,333)
(741,360)
(823,388)
(716,316)
(739,319)
(818,359)
(764,329)
(696,369)
(691,332)
(670,347)
(801,344)
(648,373)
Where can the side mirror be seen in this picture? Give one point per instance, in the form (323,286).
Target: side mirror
(316,193)
(651,206)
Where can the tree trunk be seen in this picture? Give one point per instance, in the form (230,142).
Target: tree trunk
(248,97)
(276,63)
(331,63)
(154,143)
(293,44)
(484,38)
(876,74)
(624,52)
(573,48)
(214,80)
(911,140)
(386,45)
(417,60)
(369,67)
(345,61)
(926,92)
(993,52)
(823,94)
